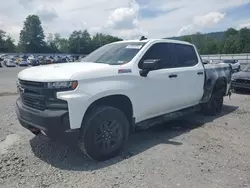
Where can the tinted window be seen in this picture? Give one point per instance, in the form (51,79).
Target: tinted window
(157,51)
(182,55)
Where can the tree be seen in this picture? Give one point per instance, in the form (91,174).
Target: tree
(61,43)
(9,45)
(230,32)
(2,40)
(51,45)
(6,43)
(243,40)
(230,46)
(211,46)
(80,42)
(187,38)
(100,39)
(230,41)
(74,42)
(32,35)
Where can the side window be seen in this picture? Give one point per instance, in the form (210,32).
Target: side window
(157,51)
(182,55)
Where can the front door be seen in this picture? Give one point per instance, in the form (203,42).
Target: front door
(157,92)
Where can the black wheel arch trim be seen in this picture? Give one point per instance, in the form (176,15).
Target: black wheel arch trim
(110,100)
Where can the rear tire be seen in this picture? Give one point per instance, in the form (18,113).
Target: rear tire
(214,106)
(104,133)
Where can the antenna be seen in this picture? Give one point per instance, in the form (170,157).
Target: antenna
(143,38)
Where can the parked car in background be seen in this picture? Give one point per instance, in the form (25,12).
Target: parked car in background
(47,60)
(23,63)
(30,59)
(25,57)
(1,60)
(241,80)
(35,63)
(64,60)
(205,61)
(235,64)
(10,63)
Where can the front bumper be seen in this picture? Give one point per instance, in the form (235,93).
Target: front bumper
(54,123)
(236,85)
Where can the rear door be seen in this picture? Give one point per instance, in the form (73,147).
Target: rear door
(190,74)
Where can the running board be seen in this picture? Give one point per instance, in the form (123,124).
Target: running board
(167,117)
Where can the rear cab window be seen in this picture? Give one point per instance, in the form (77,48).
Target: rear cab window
(182,55)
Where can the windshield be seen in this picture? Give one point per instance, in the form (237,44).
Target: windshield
(114,53)
(246,69)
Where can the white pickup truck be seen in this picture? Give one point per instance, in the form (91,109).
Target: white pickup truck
(98,102)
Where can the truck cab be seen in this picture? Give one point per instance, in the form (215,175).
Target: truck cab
(98,102)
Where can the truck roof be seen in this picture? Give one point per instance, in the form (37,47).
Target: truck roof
(156,40)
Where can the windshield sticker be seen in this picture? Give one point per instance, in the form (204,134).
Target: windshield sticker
(133,46)
(121,71)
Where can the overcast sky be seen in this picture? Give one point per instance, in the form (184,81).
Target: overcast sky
(127,18)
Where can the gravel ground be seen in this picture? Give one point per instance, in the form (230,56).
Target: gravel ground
(8,79)
(196,151)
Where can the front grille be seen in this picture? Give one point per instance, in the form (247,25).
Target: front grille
(32,94)
(242,81)
(33,102)
(24,84)
(36,95)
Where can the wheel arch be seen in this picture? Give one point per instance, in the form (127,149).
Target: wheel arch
(120,101)
(220,83)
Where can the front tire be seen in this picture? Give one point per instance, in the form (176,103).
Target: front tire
(104,133)
(214,106)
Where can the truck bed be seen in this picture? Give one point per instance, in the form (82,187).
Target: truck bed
(214,73)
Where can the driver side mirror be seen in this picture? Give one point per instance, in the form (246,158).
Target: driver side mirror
(148,65)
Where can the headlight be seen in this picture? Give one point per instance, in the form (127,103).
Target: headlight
(62,85)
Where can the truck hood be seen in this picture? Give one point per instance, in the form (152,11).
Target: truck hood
(59,72)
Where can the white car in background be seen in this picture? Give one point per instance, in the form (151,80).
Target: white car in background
(31,59)
(235,64)
(10,63)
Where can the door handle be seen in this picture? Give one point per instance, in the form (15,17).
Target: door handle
(172,76)
(200,73)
